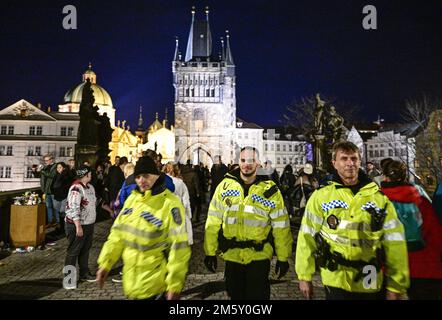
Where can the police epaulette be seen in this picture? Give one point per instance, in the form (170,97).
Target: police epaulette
(270,192)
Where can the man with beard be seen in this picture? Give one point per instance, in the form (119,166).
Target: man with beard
(246,212)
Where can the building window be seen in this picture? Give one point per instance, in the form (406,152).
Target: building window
(11,130)
(32,130)
(212,92)
(198,114)
(187,93)
(2,150)
(70,131)
(38,151)
(207,92)
(376,153)
(192,92)
(3,130)
(69,152)
(239,135)
(266,147)
(382,153)
(29,174)
(204,65)
(30,151)
(284,149)
(272,147)
(284,160)
(5,172)
(246,135)
(39,130)
(214,64)
(290,148)
(278,160)
(296,148)
(278,147)
(62,151)
(63,131)
(390,152)
(396,152)
(370,153)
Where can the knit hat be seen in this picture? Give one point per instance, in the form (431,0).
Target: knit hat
(145,165)
(82,171)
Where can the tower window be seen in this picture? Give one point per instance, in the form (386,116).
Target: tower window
(207,93)
(187,92)
(212,93)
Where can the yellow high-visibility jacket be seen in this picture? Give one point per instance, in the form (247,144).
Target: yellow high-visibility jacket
(150,235)
(343,221)
(245,218)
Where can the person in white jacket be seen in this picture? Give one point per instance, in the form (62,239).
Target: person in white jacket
(181,191)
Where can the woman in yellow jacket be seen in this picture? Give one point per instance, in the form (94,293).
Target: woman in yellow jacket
(150,235)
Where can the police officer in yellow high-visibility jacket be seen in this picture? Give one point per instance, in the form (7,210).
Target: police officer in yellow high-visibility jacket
(245,211)
(150,235)
(353,231)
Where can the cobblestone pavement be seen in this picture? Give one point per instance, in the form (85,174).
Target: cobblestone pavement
(38,274)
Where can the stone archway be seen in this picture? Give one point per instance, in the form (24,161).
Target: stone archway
(198,153)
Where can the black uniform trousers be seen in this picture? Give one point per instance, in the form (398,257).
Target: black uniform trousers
(249,281)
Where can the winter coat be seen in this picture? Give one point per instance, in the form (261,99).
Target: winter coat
(425,263)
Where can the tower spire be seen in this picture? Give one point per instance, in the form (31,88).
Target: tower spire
(229,58)
(223,51)
(189,51)
(140,119)
(165,119)
(176,56)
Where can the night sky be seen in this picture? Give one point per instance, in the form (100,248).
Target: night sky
(283,50)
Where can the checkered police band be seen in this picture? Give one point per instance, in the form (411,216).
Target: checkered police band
(334,204)
(263,201)
(230,193)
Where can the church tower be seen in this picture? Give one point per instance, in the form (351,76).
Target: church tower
(205,99)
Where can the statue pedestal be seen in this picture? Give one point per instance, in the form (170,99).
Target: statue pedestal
(319,151)
(85,153)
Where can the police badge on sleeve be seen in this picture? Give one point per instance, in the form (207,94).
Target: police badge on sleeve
(176,216)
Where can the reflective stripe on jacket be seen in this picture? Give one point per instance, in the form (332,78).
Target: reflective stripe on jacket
(343,221)
(248,218)
(150,235)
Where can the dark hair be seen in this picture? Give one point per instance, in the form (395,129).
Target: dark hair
(288,168)
(369,162)
(61,163)
(345,146)
(123,160)
(150,153)
(396,171)
(384,163)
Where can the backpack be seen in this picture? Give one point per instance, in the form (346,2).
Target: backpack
(411,217)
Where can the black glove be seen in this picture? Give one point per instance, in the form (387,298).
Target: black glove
(211,263)
(281,268)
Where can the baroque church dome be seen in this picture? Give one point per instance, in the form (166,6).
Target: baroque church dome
(101,96)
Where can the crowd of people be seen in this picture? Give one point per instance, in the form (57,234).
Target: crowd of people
(348,219)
